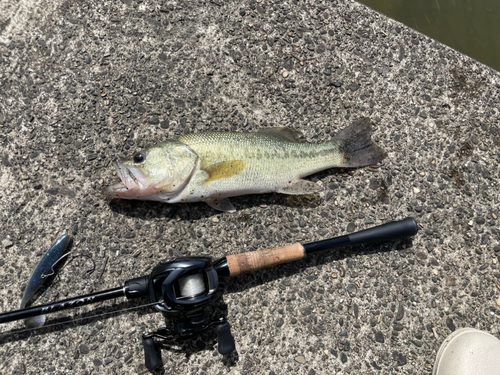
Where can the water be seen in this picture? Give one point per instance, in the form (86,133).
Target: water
(469,26)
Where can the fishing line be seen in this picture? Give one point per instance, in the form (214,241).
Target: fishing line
(4,334)
(80,252)
(192,285)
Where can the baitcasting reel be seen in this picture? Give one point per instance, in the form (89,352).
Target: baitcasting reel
(183,288)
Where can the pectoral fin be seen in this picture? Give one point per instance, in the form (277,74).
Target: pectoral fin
(301,187)
(224,170)
(223,204)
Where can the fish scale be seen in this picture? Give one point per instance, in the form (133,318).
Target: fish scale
(263,156)
(212,166)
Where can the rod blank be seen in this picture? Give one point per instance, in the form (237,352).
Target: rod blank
(62,305)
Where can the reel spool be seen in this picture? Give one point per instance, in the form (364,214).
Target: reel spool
(183,286)
(191,286)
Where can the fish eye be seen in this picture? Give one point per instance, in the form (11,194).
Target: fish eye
(139,157)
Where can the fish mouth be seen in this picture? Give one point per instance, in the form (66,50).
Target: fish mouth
(129,186)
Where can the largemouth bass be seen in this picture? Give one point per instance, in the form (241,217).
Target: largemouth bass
(212,166)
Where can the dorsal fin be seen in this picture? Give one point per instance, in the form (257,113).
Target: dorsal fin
(285,134)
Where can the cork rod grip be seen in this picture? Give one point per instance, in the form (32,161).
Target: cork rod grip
(240,264)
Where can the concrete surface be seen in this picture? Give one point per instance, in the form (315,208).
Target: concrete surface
(84,82)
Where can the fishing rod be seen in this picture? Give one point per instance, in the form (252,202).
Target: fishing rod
(182,288)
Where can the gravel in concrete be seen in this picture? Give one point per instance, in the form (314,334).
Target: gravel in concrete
(85,82)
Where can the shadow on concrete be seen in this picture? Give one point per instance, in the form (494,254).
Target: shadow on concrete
(200,210)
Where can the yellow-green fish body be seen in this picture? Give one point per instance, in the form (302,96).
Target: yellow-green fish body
(213,166)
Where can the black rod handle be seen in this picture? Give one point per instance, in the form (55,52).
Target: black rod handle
(393,230)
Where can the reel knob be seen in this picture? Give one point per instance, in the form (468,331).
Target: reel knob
(225,338)
(151,357)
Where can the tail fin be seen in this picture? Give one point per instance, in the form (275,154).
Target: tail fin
(357,146)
